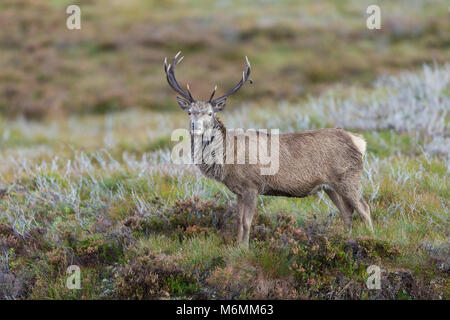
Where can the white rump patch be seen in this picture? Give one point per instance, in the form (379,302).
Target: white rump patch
(359,142)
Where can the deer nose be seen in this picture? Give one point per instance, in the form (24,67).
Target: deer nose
(196,127)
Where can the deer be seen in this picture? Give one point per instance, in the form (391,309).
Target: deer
(329,159)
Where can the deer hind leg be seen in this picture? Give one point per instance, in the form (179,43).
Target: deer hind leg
(366,209)
(250,199)
(344,208)
(350,193)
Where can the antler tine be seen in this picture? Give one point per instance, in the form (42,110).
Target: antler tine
(213,93)
(245,77)
(175,61)
(189,91)
(166,66)
(171,79)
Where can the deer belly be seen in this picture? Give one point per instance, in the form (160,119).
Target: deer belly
(285,193)
(298,192)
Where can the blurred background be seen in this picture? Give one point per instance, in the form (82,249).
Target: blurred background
(297,49)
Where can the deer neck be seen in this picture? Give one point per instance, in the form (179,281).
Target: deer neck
(208,151)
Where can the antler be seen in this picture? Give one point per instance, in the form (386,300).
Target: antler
(170,73)
(245,77)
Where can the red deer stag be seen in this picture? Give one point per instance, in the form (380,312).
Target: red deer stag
(309,161)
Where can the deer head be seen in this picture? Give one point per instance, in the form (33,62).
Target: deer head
(201,113)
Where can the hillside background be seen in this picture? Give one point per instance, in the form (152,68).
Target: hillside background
(115,61)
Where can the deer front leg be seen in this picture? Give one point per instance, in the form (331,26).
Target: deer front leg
(249,200)
(240,219)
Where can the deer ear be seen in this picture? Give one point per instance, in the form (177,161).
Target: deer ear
(183,103)
(219,104)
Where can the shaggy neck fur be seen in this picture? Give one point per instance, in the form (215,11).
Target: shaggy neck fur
(208,151)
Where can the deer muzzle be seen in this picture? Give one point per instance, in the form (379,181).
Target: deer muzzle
(197,127)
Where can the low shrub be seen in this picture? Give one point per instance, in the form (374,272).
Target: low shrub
(153,276)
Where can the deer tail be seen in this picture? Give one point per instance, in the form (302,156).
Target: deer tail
(359,142)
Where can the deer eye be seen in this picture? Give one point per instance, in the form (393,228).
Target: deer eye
(189,113)
(210,113)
